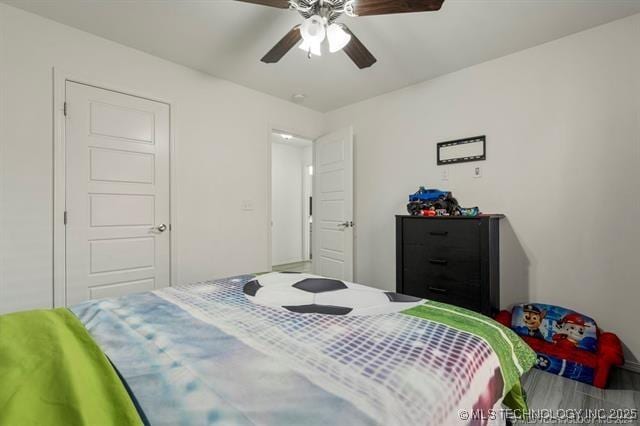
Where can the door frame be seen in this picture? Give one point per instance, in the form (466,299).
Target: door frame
(60,78)
(273,128)
(307,250)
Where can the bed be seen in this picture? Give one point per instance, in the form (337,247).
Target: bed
(274,349)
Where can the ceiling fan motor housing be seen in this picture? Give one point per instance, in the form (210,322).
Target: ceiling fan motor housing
(330,10)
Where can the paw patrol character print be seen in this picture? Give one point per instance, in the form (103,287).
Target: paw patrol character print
(532,318)
(570,329)
(543,362)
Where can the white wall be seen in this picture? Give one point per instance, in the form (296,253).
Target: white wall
(286,205)
(222,138)
(563,158)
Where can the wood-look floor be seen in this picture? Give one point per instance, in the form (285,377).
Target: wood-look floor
(294,267)
(548,391)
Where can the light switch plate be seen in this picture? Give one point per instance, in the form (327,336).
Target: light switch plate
(477,172)
(247,205)
(444,174)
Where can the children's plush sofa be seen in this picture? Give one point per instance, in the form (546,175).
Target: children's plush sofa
(568,343)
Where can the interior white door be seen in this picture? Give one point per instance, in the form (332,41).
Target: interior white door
(117,194)
(333,205)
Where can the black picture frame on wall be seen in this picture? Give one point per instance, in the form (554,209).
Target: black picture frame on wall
(445,158)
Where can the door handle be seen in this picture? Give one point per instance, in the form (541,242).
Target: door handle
(161,228)
(347,224)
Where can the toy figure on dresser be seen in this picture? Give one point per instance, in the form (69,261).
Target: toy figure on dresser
(433,202)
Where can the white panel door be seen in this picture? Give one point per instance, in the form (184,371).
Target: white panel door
(117,194)
(333,205)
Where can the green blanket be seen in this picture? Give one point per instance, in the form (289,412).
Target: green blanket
(516,358)
(53,373)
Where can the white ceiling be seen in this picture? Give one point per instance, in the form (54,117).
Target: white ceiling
(227,38)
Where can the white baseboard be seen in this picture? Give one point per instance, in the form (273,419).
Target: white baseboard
(632,366)
(288,261)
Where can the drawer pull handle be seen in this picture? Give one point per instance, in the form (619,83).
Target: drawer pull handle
(438,261)
(438,290)
(439,233)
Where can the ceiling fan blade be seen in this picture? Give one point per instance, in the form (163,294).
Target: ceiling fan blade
(385,7)
(281,4)
(357,52)
(283,46)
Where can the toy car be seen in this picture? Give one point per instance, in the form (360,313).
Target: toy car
(428,195)
(432,199)
(441,203)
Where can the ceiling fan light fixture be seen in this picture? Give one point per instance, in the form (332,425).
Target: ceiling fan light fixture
(313,48)
(313,30)
(338,37)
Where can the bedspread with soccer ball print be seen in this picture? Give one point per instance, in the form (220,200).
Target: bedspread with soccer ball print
(293,349)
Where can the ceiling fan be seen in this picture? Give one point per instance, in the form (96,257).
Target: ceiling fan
(320,25)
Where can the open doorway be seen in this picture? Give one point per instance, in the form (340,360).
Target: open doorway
(291,202)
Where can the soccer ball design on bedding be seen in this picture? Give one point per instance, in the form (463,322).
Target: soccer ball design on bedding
(310,294)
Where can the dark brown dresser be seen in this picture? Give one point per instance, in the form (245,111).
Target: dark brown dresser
(454,260)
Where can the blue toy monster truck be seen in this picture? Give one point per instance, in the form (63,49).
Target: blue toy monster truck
(431,199)
(440,202)
(428,195)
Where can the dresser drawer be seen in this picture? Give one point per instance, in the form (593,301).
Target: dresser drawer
(447,263)
(446,291)
(461,233)
(472,301)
